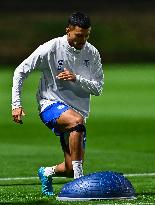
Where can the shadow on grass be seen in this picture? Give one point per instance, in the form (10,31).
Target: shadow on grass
(146,193)
(29,184)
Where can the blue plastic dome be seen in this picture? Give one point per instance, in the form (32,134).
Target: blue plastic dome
(98,185)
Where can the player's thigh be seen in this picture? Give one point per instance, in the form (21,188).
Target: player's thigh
(69,119)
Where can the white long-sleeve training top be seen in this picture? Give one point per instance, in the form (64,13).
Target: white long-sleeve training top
(51,58)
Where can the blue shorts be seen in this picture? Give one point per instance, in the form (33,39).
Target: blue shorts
(49,116)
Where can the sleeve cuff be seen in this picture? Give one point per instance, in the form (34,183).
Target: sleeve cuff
(16,106)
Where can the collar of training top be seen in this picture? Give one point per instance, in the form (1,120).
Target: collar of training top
(70,48)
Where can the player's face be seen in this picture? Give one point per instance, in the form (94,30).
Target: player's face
(77,36)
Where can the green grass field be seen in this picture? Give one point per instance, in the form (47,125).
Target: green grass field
(121,130)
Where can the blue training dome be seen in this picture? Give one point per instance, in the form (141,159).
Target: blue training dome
(98,185)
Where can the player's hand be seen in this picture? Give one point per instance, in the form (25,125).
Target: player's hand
(66,75)
(17,114)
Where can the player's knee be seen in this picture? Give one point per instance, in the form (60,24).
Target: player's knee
(77,120)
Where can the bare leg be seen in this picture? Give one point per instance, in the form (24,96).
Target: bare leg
(75,145)
(65,168)
(73,152)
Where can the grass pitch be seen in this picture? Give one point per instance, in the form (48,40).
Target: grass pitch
(120,136)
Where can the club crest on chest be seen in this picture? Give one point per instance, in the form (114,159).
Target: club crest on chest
(86,63)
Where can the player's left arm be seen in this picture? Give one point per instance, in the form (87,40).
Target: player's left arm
(94,85)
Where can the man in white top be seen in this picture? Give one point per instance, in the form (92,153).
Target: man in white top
(71,72)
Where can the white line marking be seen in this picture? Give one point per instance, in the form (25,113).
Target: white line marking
(140,203)
(139,175)
(35,178)
(25,178)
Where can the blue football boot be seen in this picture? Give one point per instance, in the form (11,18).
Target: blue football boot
(47,189)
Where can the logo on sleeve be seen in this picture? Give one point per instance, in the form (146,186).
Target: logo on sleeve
(86,63)
(60,64)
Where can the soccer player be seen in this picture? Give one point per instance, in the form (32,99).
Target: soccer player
(71,72)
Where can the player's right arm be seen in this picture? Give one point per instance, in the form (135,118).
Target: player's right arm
(17,114)
(20,74)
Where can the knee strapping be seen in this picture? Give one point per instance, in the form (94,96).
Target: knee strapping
(78,128)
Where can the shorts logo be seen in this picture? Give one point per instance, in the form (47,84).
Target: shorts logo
(60,107)
(60,64)
(86,63)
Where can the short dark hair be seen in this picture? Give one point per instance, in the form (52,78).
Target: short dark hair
(79,19)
